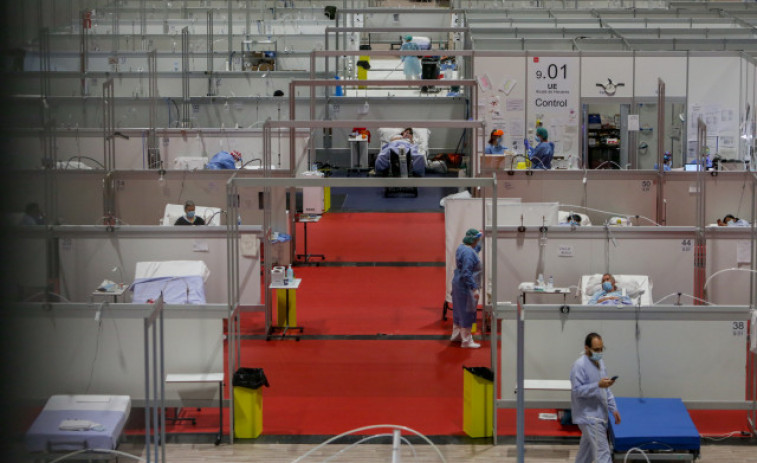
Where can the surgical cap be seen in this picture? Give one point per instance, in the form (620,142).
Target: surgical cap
(542,133)
(472,232)
(469,240)
(498,133)
(408,37)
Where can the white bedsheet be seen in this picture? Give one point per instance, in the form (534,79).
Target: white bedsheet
(172,269)
(632,286)
(114,403)
(180,282)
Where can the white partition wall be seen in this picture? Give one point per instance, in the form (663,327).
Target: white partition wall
(88,255)
(64,351)
(567,254)
(714,95)
(664,367)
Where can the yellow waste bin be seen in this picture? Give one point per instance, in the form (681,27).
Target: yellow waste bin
(478,383)
(248,402)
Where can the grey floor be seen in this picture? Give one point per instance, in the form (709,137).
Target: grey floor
(369,453)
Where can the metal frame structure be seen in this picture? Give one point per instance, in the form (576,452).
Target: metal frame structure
(661,216)
(399,30)
(700,243)
(267,183)
(186,109)
(83,51)
(153,149)
(209,66)
(155,391)
(518,312)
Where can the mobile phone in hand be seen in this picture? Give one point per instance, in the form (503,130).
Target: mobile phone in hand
(614,378)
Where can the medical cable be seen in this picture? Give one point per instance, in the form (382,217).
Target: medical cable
(611,213)
(682,294)
(704,288)
(365,428)
(112,452)
(366,439)
(722,437)
(636,449)
(84,157)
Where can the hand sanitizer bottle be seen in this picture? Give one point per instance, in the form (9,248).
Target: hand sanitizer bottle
(290,274)
(550,283)
(540,281)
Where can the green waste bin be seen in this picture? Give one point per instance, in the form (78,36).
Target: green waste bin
(248,402)
(478,383)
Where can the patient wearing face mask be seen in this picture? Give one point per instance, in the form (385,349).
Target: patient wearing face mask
(610,294)
(189,217)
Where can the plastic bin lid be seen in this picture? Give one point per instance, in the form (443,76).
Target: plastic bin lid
(482,372)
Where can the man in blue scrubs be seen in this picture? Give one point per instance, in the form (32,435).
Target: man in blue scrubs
(592,402)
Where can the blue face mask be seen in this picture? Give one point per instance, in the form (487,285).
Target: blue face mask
(596,356)
(607,286)
(190,214)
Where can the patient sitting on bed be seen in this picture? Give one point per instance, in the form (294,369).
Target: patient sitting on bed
(609,294)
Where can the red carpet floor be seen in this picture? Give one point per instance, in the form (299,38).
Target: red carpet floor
(328,387)
(366,300)
(376,237)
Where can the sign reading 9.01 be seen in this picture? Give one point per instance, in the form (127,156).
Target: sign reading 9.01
(553,84)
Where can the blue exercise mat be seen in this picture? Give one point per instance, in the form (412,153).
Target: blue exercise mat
(653,424)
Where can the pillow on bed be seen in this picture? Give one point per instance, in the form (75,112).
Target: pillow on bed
(592,284)
(420,136)
(562,217)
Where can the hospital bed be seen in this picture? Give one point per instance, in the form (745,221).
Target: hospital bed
(76,422)
(661,427)
(636,287)
(180,281)
(211,215)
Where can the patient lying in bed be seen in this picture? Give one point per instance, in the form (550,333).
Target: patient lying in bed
(610,294)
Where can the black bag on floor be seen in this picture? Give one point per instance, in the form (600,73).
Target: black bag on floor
(251,378)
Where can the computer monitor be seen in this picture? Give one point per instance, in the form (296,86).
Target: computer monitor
(691,167)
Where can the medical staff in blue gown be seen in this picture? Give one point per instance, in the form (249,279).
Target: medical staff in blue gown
(495,143)
(412,65)
(224,160)
(541,157)
(592,402)
(465,289)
